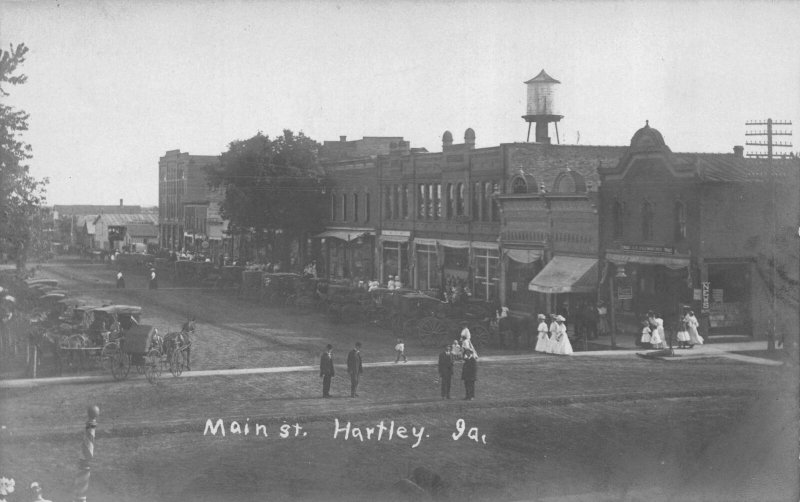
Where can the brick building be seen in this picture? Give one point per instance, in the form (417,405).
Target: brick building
(188,213)
(702,230)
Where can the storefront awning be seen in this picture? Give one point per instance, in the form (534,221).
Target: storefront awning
(523,255)
(668,261)
(566,274)
(343,235)
(394,237)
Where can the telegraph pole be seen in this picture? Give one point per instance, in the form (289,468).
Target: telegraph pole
(770,143)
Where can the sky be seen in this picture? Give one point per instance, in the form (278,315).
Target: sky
(113,85)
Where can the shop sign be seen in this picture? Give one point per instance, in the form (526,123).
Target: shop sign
(625,293)
(635,248)
(706,289)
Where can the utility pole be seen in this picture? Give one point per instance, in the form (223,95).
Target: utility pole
(770,143)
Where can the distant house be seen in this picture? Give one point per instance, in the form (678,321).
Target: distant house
(112,231)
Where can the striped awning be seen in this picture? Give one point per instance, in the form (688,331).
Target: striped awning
(566,274)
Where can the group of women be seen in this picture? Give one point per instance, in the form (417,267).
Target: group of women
(553,339)
(653,335)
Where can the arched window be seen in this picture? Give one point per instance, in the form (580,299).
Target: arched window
(396,201)
(519,185)
(437,201)
(344,207)
(387,203)
(647,220)
(680,221)
(366,207)
(486,208)
(421,201)
(461,195)
(355,207)
(495,204)
(405,196)
(618,216)
(570,182)
(476,202)
(450,204)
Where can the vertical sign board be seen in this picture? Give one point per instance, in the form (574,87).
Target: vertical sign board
(706,289)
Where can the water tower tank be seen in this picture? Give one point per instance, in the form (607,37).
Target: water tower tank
(542,99)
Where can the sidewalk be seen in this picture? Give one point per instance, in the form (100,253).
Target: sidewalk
(725,350)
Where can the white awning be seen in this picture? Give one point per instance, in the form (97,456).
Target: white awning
(524,255)
(424,242)
(454,244)
(566,274)
(485,245)
(394,237)
(672,262)
(343,235)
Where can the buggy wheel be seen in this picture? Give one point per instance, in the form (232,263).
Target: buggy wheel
(480,335)
(120,365)
(176,362)
(152,365)
(107,354)
(432,330)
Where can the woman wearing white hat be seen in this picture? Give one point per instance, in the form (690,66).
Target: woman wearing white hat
(543,341)
(561,343)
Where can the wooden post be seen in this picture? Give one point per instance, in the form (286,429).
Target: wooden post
(81,485)
(613,311)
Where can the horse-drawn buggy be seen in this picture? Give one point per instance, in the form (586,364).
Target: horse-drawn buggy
(446,321)
(278,287)
(151,354)
(345,303)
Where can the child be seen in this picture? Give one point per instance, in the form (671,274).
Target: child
(683,335)
(646,334)
(456,350)
(400,348)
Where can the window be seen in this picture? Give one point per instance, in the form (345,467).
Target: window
(618,216)
(333,207)
(450,203)
(355,207)
(460,197)
(476,202)
(519,185)
(680,221)
(405,195)
(495,204)
(344,207)
(647,220)
(429,201)
(487,277)
(486,207)
(396,201)
(387,203)
(437,200)
(421,201)
(395,262)
(366,207)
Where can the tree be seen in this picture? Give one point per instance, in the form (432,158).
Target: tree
(20,194)
(273,188)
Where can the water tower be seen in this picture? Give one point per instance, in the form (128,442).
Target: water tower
(542,106)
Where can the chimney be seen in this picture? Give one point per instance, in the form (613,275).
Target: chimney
(342,139)
(738,151)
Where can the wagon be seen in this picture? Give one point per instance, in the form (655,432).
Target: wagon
(409,307)
(143,348)
(278,287)
(346,304)
(445,324)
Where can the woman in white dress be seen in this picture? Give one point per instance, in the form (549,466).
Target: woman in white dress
(466,342)
(691,326)
(543,340)
(657,333)
(561,343)
(553,334)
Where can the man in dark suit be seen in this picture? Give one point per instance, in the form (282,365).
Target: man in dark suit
(326,370)
(469,373)
(354,368)
(446,370)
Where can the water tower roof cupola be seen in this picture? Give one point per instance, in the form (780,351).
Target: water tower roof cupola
(543,77)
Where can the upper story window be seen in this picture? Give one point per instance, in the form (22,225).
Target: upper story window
(495,204)
(396,201)
(355,207)
(461,195)
(366,207)
(334,206)
(405,196)
(476,201)
(344,207)
(519,185)
(486,207)
(680,221)
(450,204)
(421,201)
(387,203)
(647,220)
(437,200)
(618,218)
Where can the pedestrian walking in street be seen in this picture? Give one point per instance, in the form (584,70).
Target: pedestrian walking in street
(326,370)
(466,340)
(561,344)
(543,340)
(400,349)
(153,279)
(469,374)
(692,324)
(120,280)
(445,370)
(354,368)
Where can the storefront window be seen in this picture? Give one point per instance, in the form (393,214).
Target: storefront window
(395,262)
(427,276)
(487,276)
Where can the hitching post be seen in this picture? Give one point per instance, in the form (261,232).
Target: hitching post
(81,485)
